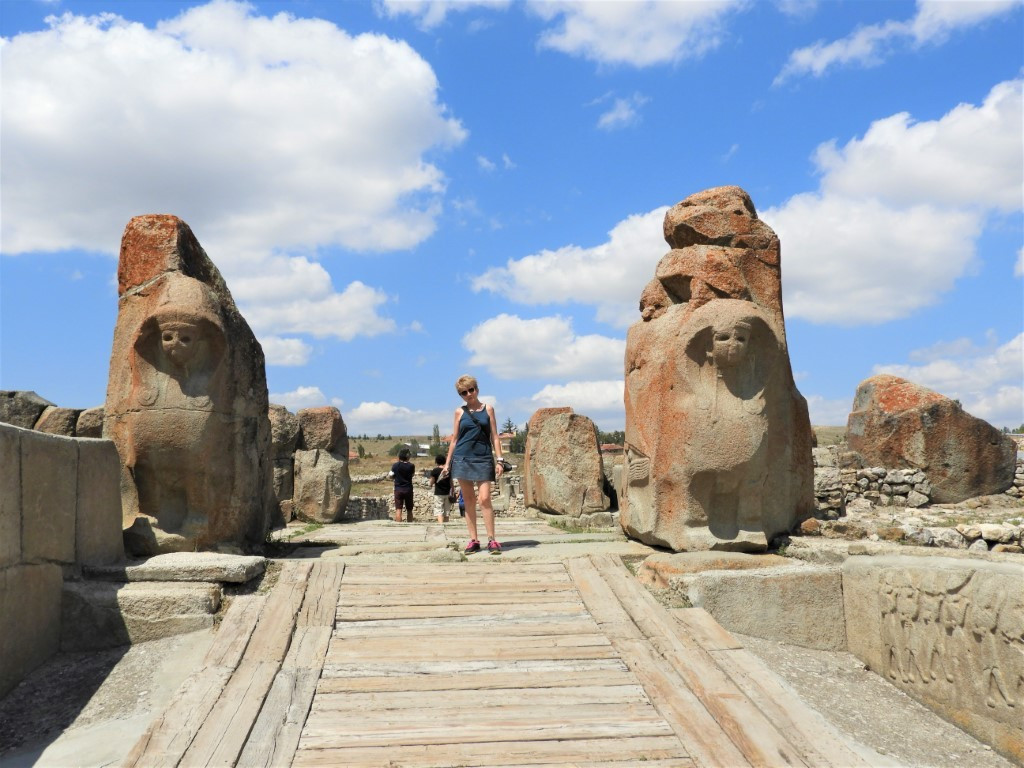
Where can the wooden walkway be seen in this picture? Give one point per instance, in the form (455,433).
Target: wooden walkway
(480,664)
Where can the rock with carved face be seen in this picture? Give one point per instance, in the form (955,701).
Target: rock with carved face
(186,399)
(718,439)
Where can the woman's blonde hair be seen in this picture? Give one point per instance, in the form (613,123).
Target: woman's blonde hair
(465,382)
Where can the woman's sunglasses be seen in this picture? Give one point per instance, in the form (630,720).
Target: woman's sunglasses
(465,392)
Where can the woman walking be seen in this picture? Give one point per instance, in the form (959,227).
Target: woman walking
(471,460)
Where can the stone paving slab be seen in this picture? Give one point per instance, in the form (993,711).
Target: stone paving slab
(184,566)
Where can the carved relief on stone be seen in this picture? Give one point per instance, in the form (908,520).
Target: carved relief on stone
(956,637)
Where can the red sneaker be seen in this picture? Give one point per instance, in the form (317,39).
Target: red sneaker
(494,547)
(473,546)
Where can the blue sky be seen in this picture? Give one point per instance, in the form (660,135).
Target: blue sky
(399,193)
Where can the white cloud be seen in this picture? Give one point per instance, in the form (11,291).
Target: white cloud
(971,157)
(385,418)
(269,132)
(432,13)
(302,397)
(609,276)
(545,347)
(989,382)
(642,33)
(485,164)
(506,162)
(601,401)
(829,413)
(1018,269)
(861,262)
(286,352)
(797,8)
(898,212)
(870,45)
(345,315)
(623,113)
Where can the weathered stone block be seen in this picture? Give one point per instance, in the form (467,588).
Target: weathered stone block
(660,569)
(49,486)
(58,421)
(897,423)
(98,527)
(21,408)
(284,432)
(29,618)
(322,486)
(97,615)
(562,469)
(90,423)
(322,428)
(186,566)
(10,495)
(949,632)
(797,605)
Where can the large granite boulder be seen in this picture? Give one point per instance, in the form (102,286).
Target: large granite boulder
(90,423)
(186,399)
(22,408)
(58,421)
(901,425)
(562,468)
(718,439)
(284,438)
(322,428)
(322,485)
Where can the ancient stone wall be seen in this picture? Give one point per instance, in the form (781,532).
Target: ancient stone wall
(950,632)
(60,510)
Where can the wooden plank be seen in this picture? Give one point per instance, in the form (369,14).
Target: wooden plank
(549,679)
(480,732)
(465,626)
(321,596)
(362,613)
(817,739)
(502,597)
(170,734)
(702,627)
(273,632)
(567,696)
(634,749)
(447,723)
(222,735)
(706,742)
(673,762)
(275,735)
(473,647)
(755,736)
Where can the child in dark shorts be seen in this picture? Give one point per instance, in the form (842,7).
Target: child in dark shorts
(402,471)
(442,490)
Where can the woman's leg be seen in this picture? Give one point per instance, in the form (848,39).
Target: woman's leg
(469,498)
(484,500)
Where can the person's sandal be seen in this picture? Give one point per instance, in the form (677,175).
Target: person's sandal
(494,547)
(473,546)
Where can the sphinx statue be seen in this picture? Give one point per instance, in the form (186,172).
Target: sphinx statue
(717,437)
(186,400)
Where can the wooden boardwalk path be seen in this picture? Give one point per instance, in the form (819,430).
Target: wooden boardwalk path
(480,664)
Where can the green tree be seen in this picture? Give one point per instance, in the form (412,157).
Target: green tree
(509,427)
(361,450)
(394,449)
(518,443)
(617,437)
(435,441)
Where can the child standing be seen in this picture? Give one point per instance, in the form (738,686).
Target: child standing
(442,490)
(402,471)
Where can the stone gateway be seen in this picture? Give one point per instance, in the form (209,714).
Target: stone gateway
(186,399)
(718,439)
